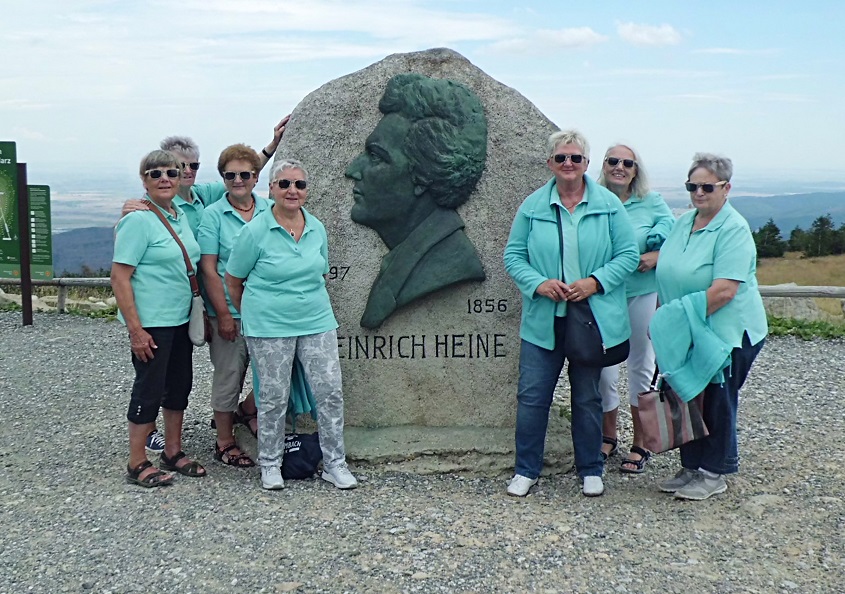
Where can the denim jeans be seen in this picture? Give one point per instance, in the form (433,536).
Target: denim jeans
(539,371)
(718,452)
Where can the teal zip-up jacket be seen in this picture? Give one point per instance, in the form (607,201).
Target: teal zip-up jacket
(607,250)
(689,354)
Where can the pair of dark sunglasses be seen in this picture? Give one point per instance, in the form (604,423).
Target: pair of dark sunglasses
(706,188)
(194,166)
(284,184)
(573,158)
(230,175)
(614,161)
(157,173)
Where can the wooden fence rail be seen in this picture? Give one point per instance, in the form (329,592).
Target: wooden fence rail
(765,291)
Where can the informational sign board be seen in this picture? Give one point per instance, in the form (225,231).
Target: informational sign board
(10,256)
(40,232)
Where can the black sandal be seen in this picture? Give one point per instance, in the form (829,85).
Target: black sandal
(241,460)
(244,419)
(193,469)
(612,441)
(640,464)
(133,476)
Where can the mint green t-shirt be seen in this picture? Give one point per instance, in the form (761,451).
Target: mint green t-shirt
(689,263)
(160,280)
(202,196)
(284,292)
(220,223)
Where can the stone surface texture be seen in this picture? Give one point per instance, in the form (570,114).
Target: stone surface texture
(326,132)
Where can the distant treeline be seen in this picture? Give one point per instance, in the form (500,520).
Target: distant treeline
(821,239)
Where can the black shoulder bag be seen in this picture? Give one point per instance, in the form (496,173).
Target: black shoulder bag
(583,344)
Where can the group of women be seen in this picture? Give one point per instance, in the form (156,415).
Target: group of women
(625,254)
(262,262)
(613,243)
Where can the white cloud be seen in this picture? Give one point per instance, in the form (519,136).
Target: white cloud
(725,98)
(637,34)
(733,51)
(544,40)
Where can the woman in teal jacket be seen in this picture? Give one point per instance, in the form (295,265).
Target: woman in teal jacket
(623,174)
(599,254)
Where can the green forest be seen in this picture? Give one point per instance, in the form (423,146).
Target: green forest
(821,239)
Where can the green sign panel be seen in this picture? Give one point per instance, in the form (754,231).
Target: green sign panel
(40,228)
(40,232)
(10,256)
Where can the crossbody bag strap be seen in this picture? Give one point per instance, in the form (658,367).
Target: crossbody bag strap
(560,238)
(192,275)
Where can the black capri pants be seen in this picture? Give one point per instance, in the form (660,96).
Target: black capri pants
(165,380)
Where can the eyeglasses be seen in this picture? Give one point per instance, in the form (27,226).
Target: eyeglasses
(573,158)
(706,188)
(193,166)
(284,184)
(230,175)
(614,161)
(157,173)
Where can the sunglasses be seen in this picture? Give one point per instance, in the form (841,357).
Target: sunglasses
(230,175)
(193,166)
(284,184)
(706,188)
(157,173)
(573,158)
(614,161)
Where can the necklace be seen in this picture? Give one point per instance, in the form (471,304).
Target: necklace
(236,207)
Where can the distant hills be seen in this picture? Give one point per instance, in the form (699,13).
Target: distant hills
(93,246)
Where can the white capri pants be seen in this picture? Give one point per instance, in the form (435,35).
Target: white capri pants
(641,359)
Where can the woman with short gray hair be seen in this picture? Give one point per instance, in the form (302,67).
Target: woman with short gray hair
(707,285)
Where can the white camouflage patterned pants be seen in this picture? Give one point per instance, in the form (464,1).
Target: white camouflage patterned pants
(273,361)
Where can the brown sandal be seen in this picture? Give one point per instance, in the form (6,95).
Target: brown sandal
(245,419)
(133,476)
(192,469)
(241,460)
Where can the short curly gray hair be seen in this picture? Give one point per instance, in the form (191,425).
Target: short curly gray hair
(181,144)
(567,137)
(721,167)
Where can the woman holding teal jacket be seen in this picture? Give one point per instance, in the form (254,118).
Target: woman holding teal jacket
(623,174)
(600,252)
(710,256)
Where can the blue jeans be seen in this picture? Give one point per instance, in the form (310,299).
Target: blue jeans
(718,452)
(539,370)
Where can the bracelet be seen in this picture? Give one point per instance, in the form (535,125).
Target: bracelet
(266,154)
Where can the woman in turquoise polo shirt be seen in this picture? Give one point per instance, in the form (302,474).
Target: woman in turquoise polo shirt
(150,282)
(275,277)
(239,166)
(711,251)
(623,174)
(599,254)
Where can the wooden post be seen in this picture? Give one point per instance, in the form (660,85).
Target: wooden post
(62,300)
(25,246)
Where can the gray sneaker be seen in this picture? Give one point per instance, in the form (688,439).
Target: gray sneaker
(681,479)
(702,487)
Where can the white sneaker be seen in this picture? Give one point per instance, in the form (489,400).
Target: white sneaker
(340,476)
(271,477)
(519,485)
(593,487)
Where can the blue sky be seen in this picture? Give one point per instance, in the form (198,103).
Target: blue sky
(93,85)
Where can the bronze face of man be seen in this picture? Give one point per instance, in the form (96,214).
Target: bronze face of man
(420,163)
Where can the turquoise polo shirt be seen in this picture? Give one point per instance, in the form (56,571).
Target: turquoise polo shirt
(202,196)
(690,262)
(652,220)
(571,253)
(160,280)
(284,292)
(220,223)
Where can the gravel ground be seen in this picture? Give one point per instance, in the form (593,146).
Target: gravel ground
(71,524)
